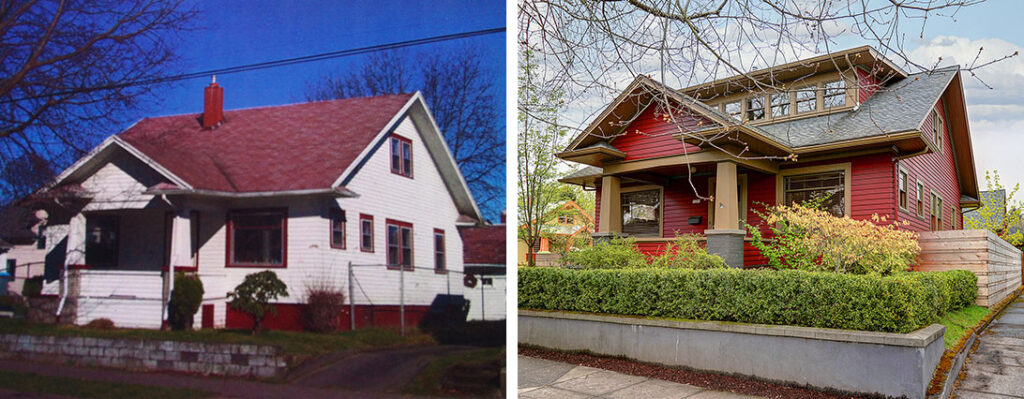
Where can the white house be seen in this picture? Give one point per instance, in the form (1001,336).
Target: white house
(303,190)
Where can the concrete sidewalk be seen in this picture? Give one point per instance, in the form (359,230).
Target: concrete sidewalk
(996,368)
(540,378)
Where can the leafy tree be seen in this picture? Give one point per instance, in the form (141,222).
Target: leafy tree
(186,298)
(1002,218)
(539,139)
(254,294)
(461,97)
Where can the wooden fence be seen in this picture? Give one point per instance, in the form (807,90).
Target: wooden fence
(996,263)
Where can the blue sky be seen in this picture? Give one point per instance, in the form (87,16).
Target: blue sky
(231,33)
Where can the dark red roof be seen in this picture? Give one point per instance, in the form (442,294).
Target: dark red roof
(288,147)
(484,245)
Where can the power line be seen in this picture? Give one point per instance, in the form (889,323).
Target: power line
(271,64)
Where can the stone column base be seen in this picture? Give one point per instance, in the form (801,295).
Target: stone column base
(602,237)
(728,244)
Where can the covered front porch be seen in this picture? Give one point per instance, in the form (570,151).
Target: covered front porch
(709,193)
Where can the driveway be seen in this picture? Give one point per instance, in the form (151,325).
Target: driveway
(996,368)
(381,371)
(541,378)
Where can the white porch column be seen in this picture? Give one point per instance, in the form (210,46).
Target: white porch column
(181,240)
(75,252)
(611,206)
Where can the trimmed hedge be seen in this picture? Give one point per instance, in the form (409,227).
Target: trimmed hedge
(898,303)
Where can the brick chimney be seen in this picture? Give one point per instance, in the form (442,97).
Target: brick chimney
(213,105)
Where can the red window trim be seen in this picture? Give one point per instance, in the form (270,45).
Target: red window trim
(362,217)
(444,249)
(412,246)
(284,238)
(330,228)
(401,163)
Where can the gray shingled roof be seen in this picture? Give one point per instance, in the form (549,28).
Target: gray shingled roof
(585,172)
(899,107)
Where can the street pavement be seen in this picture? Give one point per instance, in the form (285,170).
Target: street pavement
(541,378)
(996,368)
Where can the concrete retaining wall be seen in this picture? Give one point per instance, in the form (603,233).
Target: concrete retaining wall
(996,263)
(233,360)
(852,361)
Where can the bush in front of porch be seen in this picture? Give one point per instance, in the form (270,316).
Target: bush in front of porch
(685,252)
(901,302)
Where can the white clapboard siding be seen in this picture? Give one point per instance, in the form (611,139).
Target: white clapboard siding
(128,298)
(996,263)
(423,201)
(492,297)
(119,184)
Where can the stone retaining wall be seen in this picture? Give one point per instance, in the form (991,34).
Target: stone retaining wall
(234,360)
(887,364)
(996,263)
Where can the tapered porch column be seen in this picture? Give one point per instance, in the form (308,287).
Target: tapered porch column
(610,222)
(181,253)
(75,252)
(725,238)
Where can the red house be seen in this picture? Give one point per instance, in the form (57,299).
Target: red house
(849,126)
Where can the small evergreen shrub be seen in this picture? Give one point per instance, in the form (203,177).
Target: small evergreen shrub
(186,298)
(100,324)
(901,302)
(32,287)
(254,294)
(685,252)
(324,304)
(616,253)
(810,239)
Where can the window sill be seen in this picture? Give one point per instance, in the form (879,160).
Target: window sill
(407,268)
(282,266)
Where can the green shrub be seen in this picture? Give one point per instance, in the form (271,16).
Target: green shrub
(186,298)
(810,239)
(686,252)
(32,287)
(616,253)
(14,304)
(897,303)
(254,294)
(962,286)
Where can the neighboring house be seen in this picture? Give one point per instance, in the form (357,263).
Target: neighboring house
(484,259)
(565,222)
(23,227)
(300,189)
(849,126)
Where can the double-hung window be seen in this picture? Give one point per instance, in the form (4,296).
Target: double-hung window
(835,93)
(755,108)
(937,129)
(780,104)
(903,189)
(936,212)
(439,258)
(366,233)
(338,228)
(399,244)
(920,199)
(257,238)
(401,156)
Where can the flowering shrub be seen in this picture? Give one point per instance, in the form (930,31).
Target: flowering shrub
(809,239)
(687,253)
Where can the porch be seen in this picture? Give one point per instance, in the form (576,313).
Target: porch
(118,263)
(708,193)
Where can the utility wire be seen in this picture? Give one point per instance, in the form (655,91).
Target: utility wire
(269,64)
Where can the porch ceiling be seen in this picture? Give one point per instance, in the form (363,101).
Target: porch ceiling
(690,159)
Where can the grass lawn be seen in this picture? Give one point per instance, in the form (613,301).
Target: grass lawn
(35,383)
(291,343)
(959,321)
(428,381)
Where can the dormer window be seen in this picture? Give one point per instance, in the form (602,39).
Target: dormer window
(401,156)
(806,100)
(780,105)
(755,108)
(734,109)
(835,93)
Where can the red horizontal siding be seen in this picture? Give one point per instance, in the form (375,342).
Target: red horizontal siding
(289,317)
(938,172)
(650,135)
(867,85)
